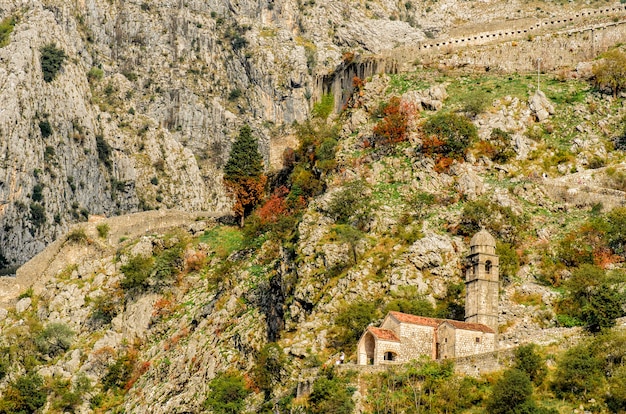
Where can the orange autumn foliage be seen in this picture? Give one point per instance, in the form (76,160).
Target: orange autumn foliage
(247,192)
(274,207)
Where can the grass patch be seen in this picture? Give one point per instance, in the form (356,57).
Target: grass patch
(223,240)
(404,82)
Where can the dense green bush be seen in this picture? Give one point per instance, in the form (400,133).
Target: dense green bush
(350,323)
(51,60)
(270,369)
(502,146)
(37,194)
(169,263)
(511,392)
(449,135)
(37,214)
(104,151)
(350,205)
(95,74)
(528,360)
(509,262)
(54,340)
(25,395)
(103,230)
(104,309)
(119,373)
(593,296)
(136,272)
(45,128)
(331,394)
(227,395)
(324,107)
(579,372)
(77,235)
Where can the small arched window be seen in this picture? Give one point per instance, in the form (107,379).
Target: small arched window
(390,356)
(488,267)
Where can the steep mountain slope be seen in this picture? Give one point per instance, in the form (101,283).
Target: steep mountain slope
(150,322)
(146,88)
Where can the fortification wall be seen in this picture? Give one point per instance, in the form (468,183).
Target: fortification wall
(577,37)
(54,258)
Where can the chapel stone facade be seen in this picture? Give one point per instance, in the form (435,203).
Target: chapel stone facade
(402,337)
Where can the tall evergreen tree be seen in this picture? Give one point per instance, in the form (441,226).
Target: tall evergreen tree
(243,173)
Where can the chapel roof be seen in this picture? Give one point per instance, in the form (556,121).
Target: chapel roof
(385,334)
(414,319)
(435,322)
(470,326)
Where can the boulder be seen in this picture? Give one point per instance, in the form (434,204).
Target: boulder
(540,106)
(23,305)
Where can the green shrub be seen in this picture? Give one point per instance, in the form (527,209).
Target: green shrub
(228,394)
(136,272)
(27,394)
(6,27)
(54,340)
(37,214)
(45,128)
(234,94)
(270,369)
(119,373)
(350,323)
(169,263)
(103,230)
(94,74)
(475,103)
(350,205)
(578,373)
(331,394)
(593,297)
(449,135)
(502,146)
(77,235)
(529,361)
(508,260)
(510,393)
(104,309)
(37,194)
(104,151)
(51,60)
(49,153)
(324,107)
(4,364)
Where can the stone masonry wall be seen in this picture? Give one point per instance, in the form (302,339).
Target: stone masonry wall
(465,343)
(417,340)
(383,346)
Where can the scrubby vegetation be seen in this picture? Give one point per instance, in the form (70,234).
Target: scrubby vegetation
(52,59)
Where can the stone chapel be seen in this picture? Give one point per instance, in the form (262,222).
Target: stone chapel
(402,337)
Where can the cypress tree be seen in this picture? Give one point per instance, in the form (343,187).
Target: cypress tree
(243,173)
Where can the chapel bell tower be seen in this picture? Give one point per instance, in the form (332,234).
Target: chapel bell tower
(482,282)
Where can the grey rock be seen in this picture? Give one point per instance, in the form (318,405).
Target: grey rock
(23,305)
(540,106)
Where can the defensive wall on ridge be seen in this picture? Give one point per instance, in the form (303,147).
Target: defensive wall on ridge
(54,258)
(560,42)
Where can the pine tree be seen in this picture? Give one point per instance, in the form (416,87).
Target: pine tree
(243,173)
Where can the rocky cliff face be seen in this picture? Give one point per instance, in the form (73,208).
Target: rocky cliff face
(144,106)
